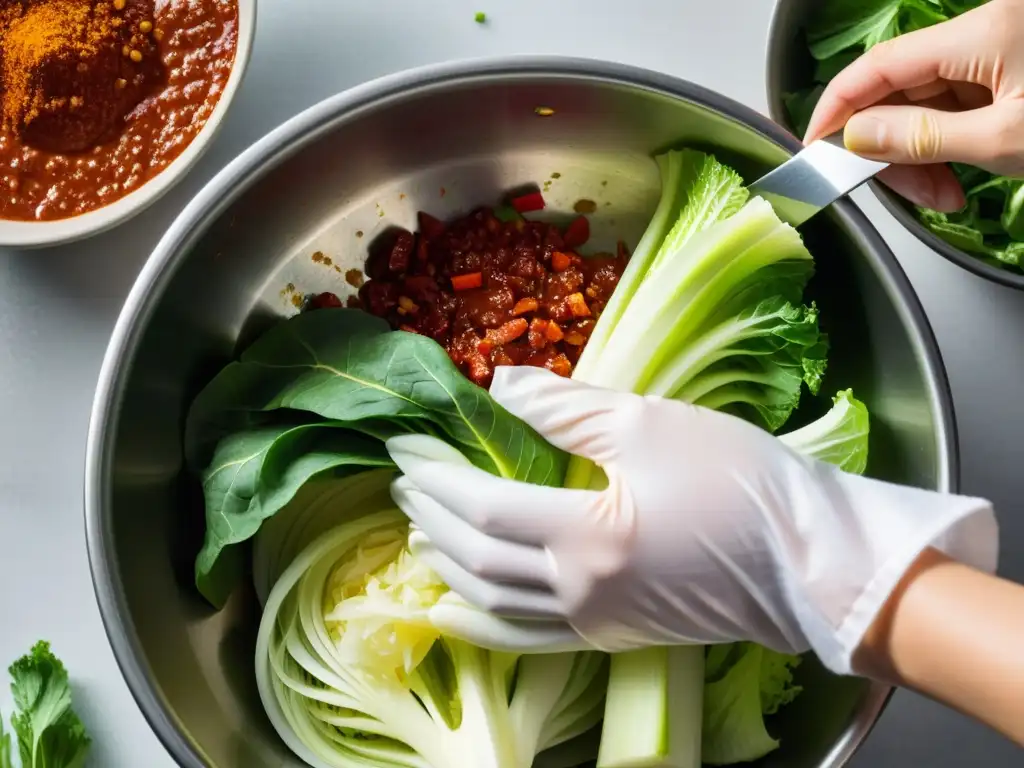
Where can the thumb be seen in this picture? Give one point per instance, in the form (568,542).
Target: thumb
(916,135)
(575,417)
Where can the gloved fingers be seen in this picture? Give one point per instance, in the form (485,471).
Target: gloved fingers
(494,633)
(427,448)
(507,509)
(484,556)
(575,417)
(504,600)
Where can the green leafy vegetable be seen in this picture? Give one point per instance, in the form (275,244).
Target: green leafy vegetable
(744,683)
(352,672)
(840,437)
(288,441)
(664,708)
(712,314)
(48,731)
(480,17)
(991,225)
(316,395)
(710,310)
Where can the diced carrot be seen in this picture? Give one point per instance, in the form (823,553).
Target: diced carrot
(575,338)
(560,364)
(523,306)
(531,201)
(578,305)
(537,337)
(560,261)
(507,332)
(485,347)
(468,281)
(553,331)
(577,233)
(430,227)
(404,302)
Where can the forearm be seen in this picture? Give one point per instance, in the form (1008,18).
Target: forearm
(957,635)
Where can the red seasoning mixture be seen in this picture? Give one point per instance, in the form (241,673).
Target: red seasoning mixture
(99,96)
(492,289)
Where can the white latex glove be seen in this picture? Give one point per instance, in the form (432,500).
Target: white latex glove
(710,531)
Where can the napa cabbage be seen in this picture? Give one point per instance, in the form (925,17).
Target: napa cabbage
(288,443)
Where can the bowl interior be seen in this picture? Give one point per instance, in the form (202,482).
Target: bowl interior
(33,234)
(342,174)
(790,68)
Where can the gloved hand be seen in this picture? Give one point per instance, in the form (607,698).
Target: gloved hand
(953,92)
(710,531)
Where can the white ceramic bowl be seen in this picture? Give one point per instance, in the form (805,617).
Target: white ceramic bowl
(34,234)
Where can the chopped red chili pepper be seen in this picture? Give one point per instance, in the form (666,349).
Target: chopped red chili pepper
(577,233)
(531,201)
(468,281)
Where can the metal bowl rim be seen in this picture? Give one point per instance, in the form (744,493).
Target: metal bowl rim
(301,131)
(892,202)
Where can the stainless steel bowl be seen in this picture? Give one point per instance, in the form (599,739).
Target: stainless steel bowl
(789,68)
(440,139)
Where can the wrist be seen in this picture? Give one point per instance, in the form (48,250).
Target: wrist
(877,657)
(952,632)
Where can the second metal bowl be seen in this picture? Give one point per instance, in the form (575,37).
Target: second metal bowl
(789,69)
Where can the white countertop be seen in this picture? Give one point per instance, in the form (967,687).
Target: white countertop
(57,308)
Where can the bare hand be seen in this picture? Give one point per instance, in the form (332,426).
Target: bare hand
(949,93)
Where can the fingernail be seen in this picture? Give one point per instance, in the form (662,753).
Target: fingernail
(867,136)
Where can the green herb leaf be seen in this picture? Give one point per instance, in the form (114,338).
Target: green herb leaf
(49,733)
(1013,214)
(6,759)
(842,24)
